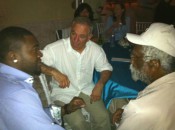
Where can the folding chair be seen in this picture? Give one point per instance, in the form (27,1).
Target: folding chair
(100,28)
(63,33)
(47,90)
(141,26)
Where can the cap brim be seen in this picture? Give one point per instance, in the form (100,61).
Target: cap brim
(136,39)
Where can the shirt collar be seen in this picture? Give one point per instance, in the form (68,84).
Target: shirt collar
(14,73)
(70,49)
(29,80)
(157,84)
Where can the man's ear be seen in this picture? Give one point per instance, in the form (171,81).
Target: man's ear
(155,69)
(12,56)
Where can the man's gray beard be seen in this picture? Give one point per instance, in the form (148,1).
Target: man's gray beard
(138,75)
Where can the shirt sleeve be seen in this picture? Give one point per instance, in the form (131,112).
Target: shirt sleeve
(102,62)
(48,57)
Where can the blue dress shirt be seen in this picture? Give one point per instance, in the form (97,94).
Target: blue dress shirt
(20,105)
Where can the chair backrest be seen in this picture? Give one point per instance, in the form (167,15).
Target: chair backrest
(100,28)
(141,26)
(45,86)
(63,33)
(47,90)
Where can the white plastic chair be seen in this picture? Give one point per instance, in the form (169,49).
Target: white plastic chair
(63,33)
(47,90)
(100,28)
(141,26)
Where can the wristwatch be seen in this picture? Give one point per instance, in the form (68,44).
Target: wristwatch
(56,114)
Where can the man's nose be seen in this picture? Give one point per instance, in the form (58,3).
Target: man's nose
(76,38)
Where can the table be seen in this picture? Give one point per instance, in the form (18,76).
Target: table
(120,85)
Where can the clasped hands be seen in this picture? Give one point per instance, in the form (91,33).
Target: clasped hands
(75,103)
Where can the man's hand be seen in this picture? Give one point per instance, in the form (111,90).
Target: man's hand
(61,79)
(75,103)
(96,92)
(116,117)
(56,74)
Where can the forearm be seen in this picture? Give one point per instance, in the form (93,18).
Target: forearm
(48,70)
(66,109)
(115,25)
(104,77)
(109,32)
(61,78)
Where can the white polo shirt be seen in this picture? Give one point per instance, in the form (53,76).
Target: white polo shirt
(78,67)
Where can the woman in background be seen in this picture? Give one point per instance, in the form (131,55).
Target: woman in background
(118,24)
(85,10)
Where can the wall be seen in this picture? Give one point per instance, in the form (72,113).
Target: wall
(32,11)
(41,17)
(14,12)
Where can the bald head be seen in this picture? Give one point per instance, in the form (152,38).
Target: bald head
(9,40)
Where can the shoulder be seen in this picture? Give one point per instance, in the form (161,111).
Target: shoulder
(57,45)
(10,86)
(92,44)
(94,47)
(18,93)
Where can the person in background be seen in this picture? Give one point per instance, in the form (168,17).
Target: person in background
(77,57)
(117,24)
(20,106)
(106,12)
(153,62)
(85,10)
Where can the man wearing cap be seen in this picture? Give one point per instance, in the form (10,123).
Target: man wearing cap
(153,62)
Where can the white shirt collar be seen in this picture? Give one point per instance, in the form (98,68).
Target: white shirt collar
(29,80)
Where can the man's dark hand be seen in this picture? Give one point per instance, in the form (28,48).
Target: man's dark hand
(116,117)
(75,103)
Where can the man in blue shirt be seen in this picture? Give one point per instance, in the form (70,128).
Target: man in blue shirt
(20,106)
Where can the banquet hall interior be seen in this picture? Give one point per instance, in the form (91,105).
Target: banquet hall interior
(44,17)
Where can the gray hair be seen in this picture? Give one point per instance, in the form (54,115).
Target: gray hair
(83,20)
(167,61)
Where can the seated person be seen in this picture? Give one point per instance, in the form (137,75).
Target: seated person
(117,24)
(20,106)
(153,62)
(76,58)
(84,10)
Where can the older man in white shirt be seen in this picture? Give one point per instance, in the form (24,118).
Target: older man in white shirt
(77,57)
